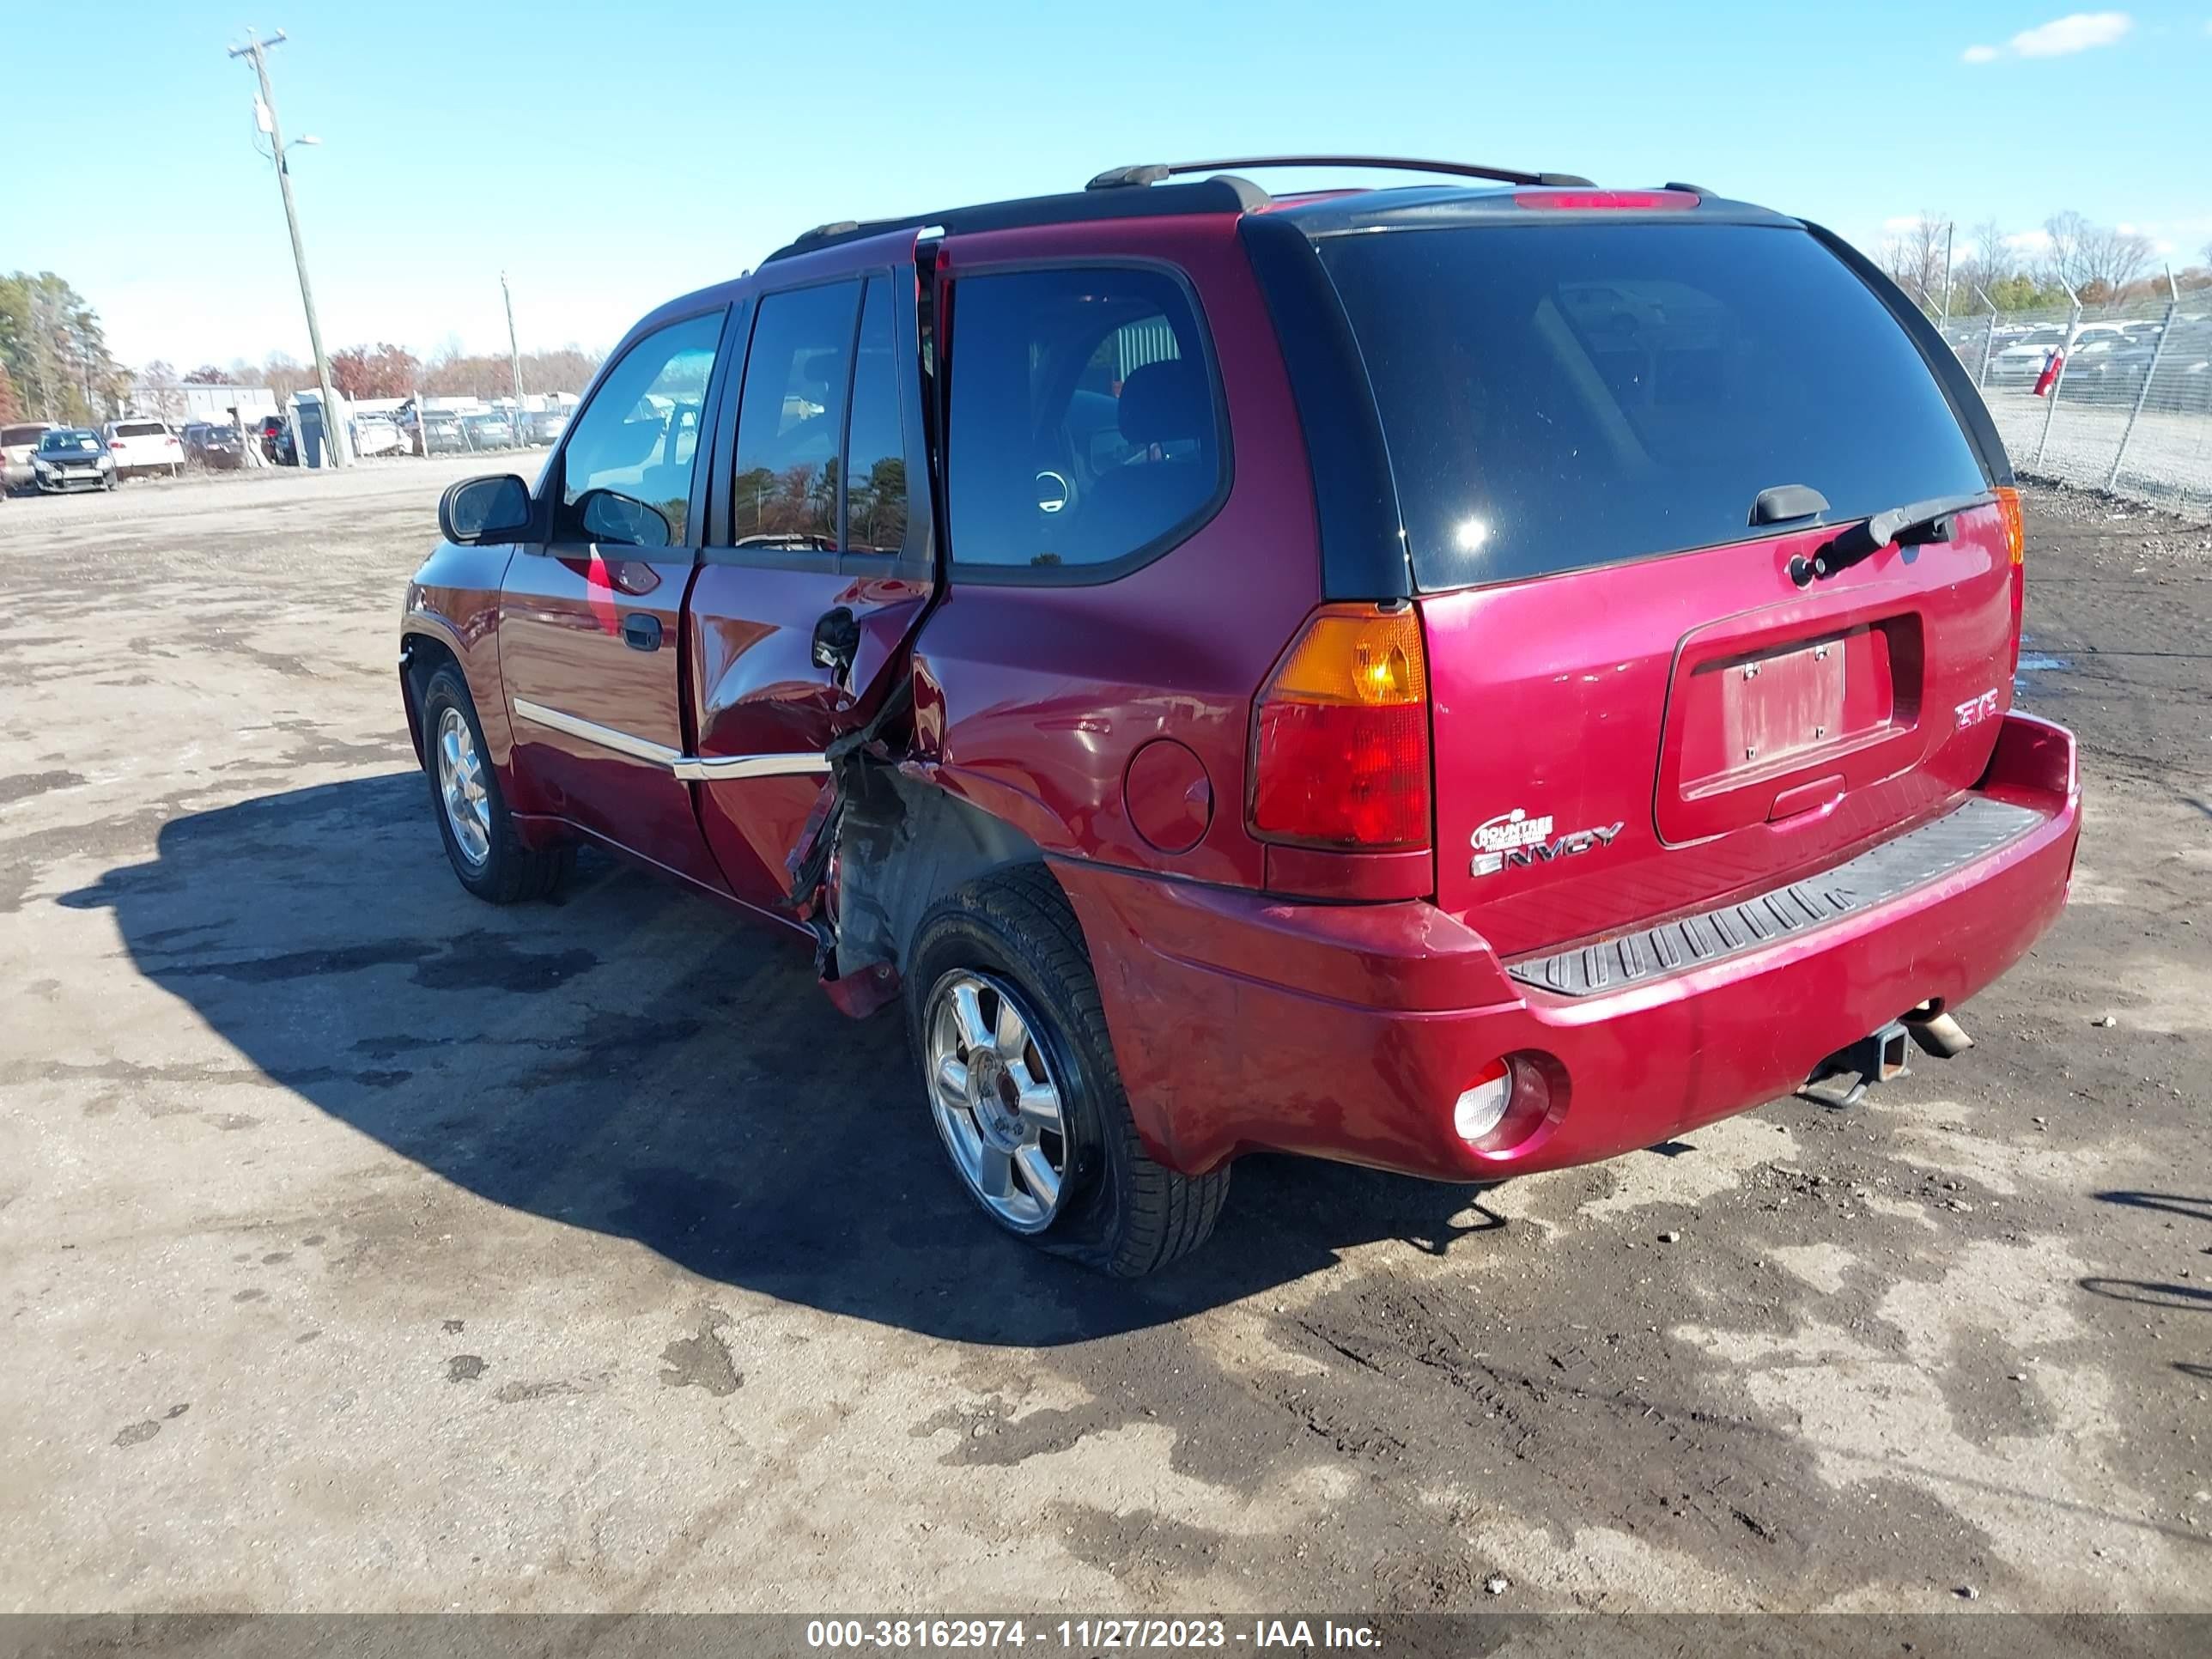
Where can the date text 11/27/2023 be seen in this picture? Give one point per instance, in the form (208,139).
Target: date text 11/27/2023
(1088,1635)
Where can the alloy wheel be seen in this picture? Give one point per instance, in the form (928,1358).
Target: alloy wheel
(996,1103)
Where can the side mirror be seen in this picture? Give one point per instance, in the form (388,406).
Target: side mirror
(608,516)
(475,510)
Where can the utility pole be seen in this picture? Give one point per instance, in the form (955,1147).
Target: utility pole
(333,429)
(514,351)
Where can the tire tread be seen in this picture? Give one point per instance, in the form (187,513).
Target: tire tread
(1166,1214)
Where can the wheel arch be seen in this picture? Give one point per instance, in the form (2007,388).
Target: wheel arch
(903,844)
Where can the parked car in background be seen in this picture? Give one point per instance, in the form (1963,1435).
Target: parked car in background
(545,426)
(16,443)
(140,446)
(377,435)
(1581,712)
(487,431)
(2109,367)
(217,448)
(71,458)
(279,447)
(439,433)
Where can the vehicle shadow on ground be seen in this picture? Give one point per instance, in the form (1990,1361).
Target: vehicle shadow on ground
(634,1061)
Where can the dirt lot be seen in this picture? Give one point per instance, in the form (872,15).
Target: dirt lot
(364,1247)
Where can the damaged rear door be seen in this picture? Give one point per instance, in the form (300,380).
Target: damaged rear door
(821,566)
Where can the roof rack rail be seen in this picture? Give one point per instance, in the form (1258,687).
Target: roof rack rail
(1156,172)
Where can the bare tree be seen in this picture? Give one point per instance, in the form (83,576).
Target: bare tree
(283,374)
(1988,260)
(2096,261)
(1915,257)
(157,386)
(2062,253)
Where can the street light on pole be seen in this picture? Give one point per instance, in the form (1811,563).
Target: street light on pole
(265,111)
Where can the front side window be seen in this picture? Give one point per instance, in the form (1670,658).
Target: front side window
(791,421)
(1083,428)
(626,473)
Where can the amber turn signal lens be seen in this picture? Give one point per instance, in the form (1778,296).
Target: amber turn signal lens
(2016,524)
(1369,657)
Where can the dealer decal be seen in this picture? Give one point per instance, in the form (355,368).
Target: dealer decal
(1514,841)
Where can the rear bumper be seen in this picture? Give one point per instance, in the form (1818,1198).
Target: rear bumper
(1347,1031)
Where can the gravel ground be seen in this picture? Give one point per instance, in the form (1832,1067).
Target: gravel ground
(365,1246)
(2169,456)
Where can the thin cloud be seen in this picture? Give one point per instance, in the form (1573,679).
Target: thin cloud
(2078,31)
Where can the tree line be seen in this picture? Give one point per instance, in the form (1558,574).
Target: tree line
(2102,265)
(386,370)
(54,361)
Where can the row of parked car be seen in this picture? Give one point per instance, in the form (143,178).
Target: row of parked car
(460,432)
(2104,361)
(53,460)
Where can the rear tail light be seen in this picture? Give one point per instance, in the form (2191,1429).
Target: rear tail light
(2016,534)
(1340,735)
(1584,201)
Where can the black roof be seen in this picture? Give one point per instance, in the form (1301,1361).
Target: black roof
(1222,194)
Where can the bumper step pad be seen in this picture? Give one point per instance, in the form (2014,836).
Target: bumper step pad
(1977,828)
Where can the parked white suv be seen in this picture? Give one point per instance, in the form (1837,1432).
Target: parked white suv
(144,446)
(16,443)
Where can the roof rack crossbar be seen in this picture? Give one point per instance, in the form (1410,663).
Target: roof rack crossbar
(1156,172)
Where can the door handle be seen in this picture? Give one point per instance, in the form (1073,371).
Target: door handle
(640,631)
(837,641)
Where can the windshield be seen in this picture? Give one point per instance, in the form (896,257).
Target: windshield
(1561,396)
(70,442)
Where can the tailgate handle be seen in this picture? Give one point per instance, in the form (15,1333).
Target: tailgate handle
(1816,797)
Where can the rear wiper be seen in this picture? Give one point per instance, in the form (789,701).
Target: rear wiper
(1907,527)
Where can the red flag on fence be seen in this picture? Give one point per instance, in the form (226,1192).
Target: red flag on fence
(2049,377)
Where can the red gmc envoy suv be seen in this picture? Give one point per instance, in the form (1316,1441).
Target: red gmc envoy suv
(1463,678)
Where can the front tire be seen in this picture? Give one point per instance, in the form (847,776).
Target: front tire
(1003,1015)
(488,857)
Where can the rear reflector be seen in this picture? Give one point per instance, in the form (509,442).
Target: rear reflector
(1340,735)
(1481,1106)
(1583,201)
(1510,1100)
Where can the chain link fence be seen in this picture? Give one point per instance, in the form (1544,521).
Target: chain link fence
(2111,397)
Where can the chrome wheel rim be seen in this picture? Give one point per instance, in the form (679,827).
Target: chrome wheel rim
(461,786)
(997,1105)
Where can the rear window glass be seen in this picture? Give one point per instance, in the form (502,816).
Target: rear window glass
(12,435)
(1084,430)
(140,429)
(1564,396)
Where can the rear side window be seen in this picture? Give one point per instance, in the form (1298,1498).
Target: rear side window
(1561,396)
(1084,433)
(791,419)
(875,442)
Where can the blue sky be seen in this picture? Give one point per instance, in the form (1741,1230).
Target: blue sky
(610,158)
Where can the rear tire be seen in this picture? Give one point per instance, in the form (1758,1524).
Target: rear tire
(1115,1208)
(488,857)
